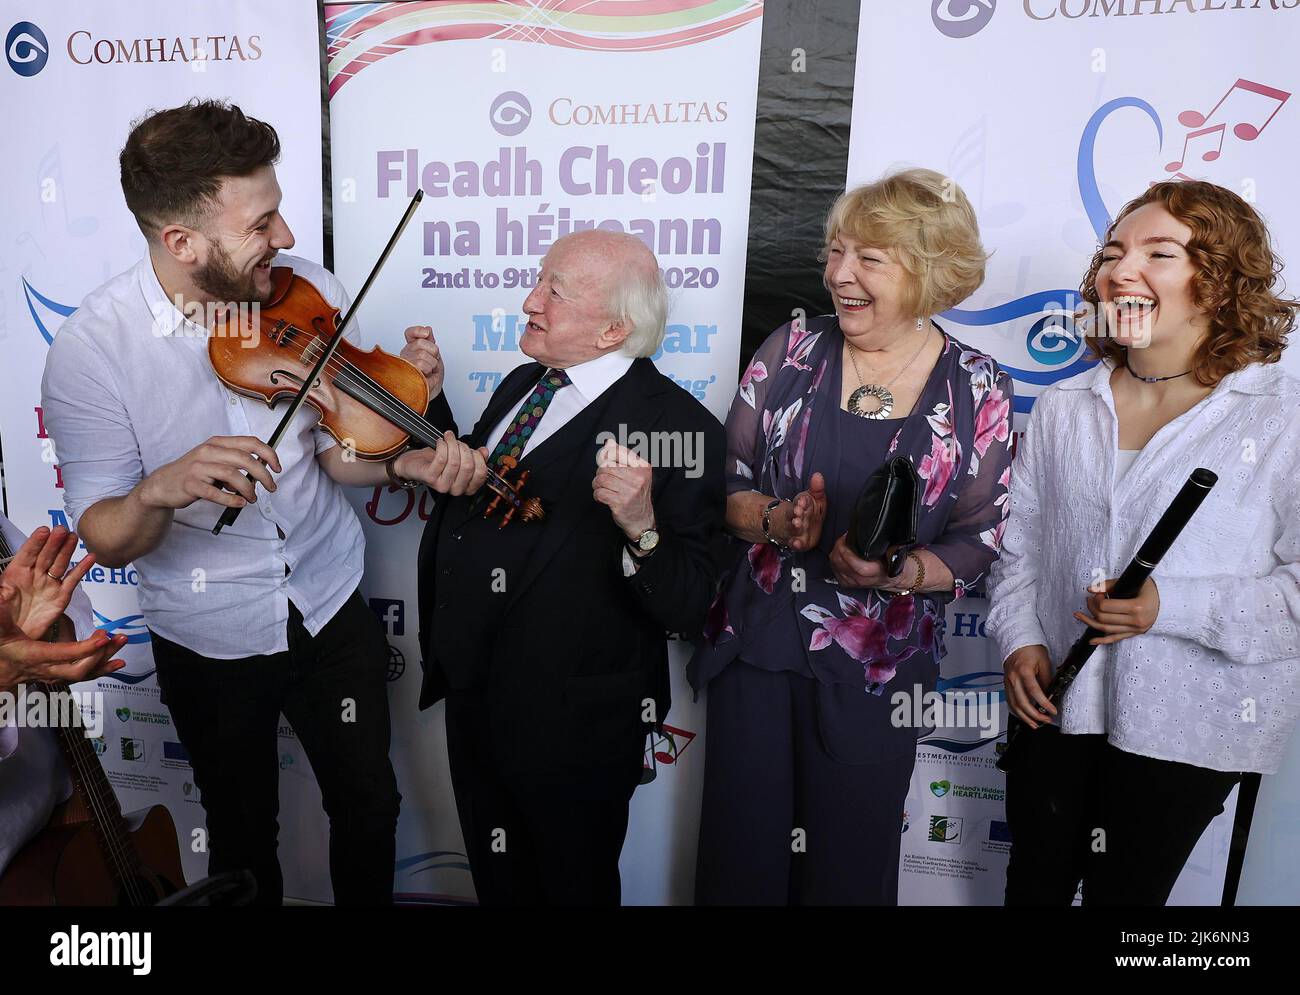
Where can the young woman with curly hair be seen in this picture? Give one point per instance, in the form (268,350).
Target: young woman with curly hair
(1197,679)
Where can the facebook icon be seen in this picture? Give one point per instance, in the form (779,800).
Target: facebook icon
(392,613)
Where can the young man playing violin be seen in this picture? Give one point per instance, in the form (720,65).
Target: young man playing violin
(265,618)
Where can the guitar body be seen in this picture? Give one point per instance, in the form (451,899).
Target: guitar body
(65,865)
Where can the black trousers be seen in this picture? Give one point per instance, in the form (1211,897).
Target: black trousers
(540,836)
(227,714)
(1081,810)
(769,773)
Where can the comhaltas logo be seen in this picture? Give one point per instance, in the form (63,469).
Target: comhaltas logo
(961,18)
(84,49)
(510,113)
(26,49)
(565,112)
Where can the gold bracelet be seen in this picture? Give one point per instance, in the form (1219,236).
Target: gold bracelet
(920,574)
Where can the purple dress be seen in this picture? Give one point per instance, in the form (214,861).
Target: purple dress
(785,610)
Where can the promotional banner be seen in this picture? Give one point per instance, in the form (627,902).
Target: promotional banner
(76,76)
(1069,109)
(523,123)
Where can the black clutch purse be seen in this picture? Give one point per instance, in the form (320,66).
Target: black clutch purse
(885,514)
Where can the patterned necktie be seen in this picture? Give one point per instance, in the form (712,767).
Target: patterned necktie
(524,423)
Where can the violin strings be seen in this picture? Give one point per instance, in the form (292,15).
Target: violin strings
(388,405)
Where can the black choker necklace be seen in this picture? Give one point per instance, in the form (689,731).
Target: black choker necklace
(1139,376)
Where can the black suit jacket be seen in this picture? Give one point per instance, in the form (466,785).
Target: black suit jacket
(579,647)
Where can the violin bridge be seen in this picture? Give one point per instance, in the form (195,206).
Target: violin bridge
(312,352)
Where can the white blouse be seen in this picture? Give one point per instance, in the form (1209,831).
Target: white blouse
(1216,681)
(1124,459)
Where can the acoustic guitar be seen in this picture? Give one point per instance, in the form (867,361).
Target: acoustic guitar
(86,855)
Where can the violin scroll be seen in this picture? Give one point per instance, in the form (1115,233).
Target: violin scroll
(528,509)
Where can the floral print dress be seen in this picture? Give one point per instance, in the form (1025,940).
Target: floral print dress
(782,610)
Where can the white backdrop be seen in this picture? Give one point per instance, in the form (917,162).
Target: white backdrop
(93,70)
(1051,116)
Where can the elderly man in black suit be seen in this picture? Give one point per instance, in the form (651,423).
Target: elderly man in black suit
(548,639)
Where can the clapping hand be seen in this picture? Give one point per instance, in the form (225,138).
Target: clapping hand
(37,585)
(34,592)
(806,514)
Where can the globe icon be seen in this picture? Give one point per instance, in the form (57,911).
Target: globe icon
(396,663)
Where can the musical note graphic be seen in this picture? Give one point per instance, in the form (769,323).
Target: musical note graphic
(1210,156)
(27,237)
(1247,131)
(50,171)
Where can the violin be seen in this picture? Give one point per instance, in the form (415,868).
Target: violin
(370,402)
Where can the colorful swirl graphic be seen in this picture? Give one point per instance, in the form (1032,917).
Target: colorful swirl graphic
(358,36)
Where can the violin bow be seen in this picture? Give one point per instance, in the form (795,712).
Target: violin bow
(230,514)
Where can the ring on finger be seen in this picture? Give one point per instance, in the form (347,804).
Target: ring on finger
(51,576)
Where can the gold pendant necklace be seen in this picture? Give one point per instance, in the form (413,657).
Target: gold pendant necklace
(880,392)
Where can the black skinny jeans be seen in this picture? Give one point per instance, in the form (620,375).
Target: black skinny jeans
(227,713)
(1080,809)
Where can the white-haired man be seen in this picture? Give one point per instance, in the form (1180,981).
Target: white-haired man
(548,639)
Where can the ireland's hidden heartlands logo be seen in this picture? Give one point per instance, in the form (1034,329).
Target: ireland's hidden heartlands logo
(26,49)
(961,18)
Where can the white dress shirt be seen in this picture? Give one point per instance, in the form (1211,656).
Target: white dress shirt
(587,381)
(128,388)
(33,776)
(1216,681)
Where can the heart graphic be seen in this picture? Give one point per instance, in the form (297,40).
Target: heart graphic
(124,714)
(940,788)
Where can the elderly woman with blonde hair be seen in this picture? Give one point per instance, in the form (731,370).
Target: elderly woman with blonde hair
(805,773)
